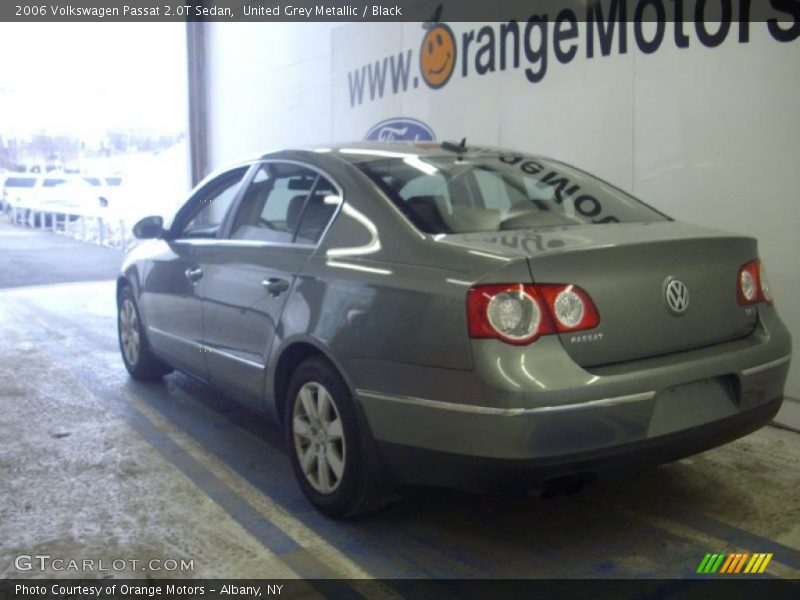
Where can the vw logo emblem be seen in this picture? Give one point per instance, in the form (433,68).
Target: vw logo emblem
(676,295)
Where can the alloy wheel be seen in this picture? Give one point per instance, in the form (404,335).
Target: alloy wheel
(319,437)
(129,331)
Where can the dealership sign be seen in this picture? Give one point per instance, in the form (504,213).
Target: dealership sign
(614,26)
(400,130)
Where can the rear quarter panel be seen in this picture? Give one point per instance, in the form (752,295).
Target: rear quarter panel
(387,303)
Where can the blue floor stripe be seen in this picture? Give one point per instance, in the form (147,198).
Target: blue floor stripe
(273,538)
(266,532)
(272,474)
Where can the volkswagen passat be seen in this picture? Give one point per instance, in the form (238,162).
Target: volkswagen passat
(454,316)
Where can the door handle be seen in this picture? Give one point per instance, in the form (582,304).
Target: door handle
(275,286)
(194,274)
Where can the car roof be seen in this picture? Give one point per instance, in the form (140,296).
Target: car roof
(361,151)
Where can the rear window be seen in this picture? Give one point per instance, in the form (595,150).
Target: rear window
(496,192)
(21,182)
(113,181)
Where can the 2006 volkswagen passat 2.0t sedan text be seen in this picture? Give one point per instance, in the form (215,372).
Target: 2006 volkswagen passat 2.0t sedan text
(454,316)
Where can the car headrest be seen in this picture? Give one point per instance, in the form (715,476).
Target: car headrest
(316,217)
(294,210)
(303,184)
(426,213)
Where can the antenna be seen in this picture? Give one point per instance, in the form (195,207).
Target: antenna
(459,148)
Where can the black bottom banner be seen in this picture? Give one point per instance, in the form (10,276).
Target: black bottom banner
(221,589)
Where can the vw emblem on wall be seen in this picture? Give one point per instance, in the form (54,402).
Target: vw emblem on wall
(676,295)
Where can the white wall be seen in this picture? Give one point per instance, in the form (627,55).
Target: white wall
(269,86)
(708,135)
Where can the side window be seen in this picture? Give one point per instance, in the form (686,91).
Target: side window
(22,182)
(211,204)
(53,182)
(280,198)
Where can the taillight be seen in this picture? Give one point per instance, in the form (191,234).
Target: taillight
(520,313)
(752,286)
(571,307)
(766,292)
(513,313)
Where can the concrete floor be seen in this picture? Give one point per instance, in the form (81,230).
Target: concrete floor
(35,258)
(95,465)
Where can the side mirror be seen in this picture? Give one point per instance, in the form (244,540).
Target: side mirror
(149,228)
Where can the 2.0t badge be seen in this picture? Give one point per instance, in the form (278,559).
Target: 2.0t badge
(676,295)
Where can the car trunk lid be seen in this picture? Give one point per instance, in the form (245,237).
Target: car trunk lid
(626,269)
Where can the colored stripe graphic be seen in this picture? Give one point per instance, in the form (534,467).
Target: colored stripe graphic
(758,563)
(711,562)
(741,562)
(734,563)
(732,558)
(703,563)
(719,562)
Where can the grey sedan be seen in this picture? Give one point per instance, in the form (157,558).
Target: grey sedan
(454,316)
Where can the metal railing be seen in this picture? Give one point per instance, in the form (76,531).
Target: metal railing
(100,227)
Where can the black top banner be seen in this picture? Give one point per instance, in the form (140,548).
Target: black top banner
(786,12)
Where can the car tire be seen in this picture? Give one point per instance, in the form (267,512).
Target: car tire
(139,359)
(344,447)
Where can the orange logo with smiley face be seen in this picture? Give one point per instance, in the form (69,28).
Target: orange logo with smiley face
(437,55)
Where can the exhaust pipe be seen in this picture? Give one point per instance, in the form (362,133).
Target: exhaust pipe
(566,485)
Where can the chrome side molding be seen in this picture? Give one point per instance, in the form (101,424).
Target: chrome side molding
(506,412)
(766,366)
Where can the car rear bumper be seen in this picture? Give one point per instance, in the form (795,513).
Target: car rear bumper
(568,420)
(414,465)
